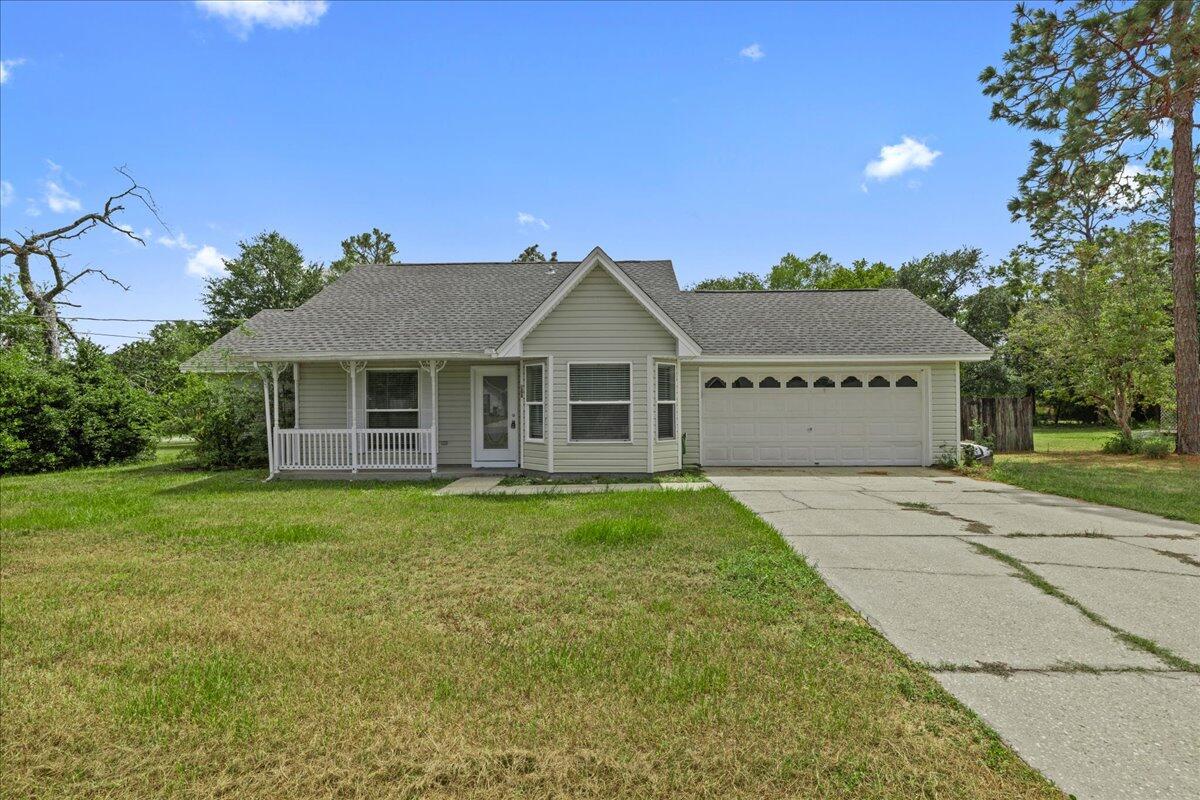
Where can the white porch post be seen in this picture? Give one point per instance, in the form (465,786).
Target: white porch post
(434,367)
(296,393)
(353,368)
(267,420)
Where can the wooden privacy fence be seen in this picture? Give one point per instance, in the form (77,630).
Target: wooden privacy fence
(1007,421)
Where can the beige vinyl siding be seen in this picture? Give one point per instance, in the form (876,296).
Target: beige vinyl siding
(322,395)
(689,412)
(534,455)
(944,414)
(599,321)
(454,414)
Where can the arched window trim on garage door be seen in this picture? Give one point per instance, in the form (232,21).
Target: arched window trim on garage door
(824,382)
(906,381)
(743,383)
(768,383)
(851,382)
(714,383)
(796,382)
(879,382)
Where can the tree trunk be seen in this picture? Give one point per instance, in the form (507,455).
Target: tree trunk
(47,312)
(1183,255)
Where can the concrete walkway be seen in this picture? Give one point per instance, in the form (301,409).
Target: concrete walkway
(1022,604)
(490,484)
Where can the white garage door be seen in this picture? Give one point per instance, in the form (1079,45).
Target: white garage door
(792,417)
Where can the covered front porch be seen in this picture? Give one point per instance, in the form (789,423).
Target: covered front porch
(385,418)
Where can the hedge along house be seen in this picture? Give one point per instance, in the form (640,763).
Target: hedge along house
(597,366)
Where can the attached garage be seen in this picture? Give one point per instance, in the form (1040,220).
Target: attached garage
(796,416)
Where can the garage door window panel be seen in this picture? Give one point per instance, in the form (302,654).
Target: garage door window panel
(796,382)
(600,402)
(878,382)
(743,383)
(851,382)
(906,381)
(714,383)
(824,382)
(768,383)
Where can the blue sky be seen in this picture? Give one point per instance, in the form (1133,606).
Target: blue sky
(720,136)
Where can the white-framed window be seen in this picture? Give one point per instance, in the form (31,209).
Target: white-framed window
(392,398)
(599,401)
(535,402)
(665,401)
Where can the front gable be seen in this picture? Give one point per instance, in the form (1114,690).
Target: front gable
(598,264)
(598,318)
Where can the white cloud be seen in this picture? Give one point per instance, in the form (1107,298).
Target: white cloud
(6,68)
(752,51)
(243,15)
(1127,191)
(179,241)
(524,219)
(6,193)
(896,159)
(53,166)
(206,262)
(59,199)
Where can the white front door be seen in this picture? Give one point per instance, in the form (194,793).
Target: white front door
(494,434)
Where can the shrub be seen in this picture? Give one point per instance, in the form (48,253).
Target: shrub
(1156,447)
(1119,444)
(70,413)
(231,432)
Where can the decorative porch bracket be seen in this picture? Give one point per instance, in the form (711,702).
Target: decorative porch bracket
(433,368)
(352,368)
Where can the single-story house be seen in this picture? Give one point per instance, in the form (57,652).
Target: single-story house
(597,366)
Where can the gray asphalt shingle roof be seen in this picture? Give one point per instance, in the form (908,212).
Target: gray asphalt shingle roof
(467,308)
(827,323)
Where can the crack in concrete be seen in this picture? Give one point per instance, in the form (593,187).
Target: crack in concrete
(1183,558)
(1119,569)
(1005,670)
(1133,640)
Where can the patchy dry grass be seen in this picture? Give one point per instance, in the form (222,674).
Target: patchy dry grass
(1169,487)
(175,633)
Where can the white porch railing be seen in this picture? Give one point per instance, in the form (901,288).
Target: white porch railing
(343,448)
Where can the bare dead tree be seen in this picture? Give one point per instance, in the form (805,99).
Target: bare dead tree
(46,296)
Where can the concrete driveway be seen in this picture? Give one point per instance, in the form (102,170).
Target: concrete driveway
(1025,606)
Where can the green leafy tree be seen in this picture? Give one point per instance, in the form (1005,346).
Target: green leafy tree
(1100,74)
(818,271)
(72,412)
(152,365)
(861,274)
(1102,331)
(375,247)
(939,278)
(19,326)
(793,272)
(742,282)
(533,255)
(269,272)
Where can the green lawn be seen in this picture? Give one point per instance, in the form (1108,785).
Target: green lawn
(178,633)
(1070,438)
(1067,461)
